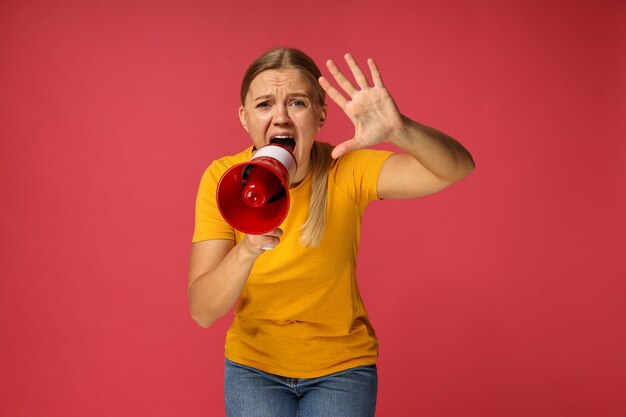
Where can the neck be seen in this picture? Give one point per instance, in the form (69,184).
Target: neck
(301,174)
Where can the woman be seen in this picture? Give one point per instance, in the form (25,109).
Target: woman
(301,342)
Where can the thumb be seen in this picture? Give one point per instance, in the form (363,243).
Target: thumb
(343,148)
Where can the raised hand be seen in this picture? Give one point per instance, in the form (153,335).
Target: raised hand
(371,109)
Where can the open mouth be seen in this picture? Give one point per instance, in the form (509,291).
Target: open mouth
(284,141)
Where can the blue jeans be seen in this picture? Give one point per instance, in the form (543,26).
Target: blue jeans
(250,392)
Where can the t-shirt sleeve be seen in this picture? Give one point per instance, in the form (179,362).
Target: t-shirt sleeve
(209,223)
(357,174)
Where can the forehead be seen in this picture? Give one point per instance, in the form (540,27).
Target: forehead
(287,80)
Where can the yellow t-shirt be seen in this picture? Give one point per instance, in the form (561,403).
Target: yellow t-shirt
(300,314)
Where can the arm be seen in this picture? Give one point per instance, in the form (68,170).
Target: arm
(432,160)
(218,271)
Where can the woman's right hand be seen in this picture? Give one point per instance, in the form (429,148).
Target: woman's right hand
(257,244)
(219,270)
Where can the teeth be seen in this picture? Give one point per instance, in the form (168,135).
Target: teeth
(284,140)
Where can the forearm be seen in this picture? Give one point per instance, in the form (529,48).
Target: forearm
(439,153)
(213,293)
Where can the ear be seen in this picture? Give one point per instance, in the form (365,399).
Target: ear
(242,118)
(323,114)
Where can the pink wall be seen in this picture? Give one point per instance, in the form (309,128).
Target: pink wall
(503,296)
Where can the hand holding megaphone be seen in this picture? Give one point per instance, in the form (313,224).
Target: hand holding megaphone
(253,197)
(260,243)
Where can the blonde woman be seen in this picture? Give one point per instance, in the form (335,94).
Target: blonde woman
(301,343)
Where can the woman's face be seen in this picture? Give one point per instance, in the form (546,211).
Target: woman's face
(281,107)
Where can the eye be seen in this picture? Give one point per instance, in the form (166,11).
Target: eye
(263,104)
(298,103)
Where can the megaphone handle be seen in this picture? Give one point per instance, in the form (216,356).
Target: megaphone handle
(281,193)
(245,174)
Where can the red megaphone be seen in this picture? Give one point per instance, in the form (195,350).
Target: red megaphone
(253,196)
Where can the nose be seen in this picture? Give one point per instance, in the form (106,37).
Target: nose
(281,116)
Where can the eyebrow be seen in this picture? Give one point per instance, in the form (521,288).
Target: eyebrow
(294,94)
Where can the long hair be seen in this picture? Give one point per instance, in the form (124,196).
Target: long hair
(288,58)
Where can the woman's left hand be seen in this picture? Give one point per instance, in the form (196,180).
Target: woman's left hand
(372,109)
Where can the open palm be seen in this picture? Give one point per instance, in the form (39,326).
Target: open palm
(371,109)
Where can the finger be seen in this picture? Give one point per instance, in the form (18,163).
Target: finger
(340,78)
(356,71)
(265,242)
(275,236)
(260,243)
(378,80)
(270,242)
(332,92)
(343,148)
(278,232)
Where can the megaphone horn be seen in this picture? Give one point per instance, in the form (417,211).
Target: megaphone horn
(253,197)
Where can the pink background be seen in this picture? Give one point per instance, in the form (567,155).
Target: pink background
(502,296)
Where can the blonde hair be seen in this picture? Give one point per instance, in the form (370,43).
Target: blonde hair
(312,230)
(321,160)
